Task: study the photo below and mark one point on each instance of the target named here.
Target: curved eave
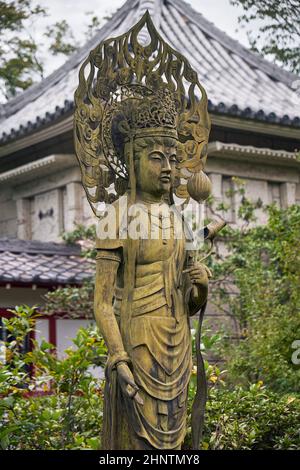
(218, 109)
(52, 127)
(251, 153)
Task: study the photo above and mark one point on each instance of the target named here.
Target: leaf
(94, 443)
(46, 346)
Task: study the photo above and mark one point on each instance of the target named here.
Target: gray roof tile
(42, 263)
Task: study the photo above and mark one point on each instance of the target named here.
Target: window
(47, 215)
(274, 193)
(228, 198)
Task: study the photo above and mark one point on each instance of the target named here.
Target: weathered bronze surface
(141, 133)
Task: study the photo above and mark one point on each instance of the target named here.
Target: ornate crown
(155, 111)
(143, 112)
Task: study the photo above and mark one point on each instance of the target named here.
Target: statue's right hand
(127, 382)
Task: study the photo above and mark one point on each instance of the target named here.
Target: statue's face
(156, 166)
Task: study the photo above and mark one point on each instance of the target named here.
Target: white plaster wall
(254, 190)
(297, 193)
(251, 170)
(42, 330)
(66, 330)
(63, 191)
(47, 183)
(88, 217)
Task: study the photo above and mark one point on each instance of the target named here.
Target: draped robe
(157, 340)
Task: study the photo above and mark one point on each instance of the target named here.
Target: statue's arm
(106, 273)
(107, 263)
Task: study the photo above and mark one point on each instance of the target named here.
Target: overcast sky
(220, 12)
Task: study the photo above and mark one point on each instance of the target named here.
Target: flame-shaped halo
(113, 70)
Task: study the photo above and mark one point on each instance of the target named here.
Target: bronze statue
(141, 134)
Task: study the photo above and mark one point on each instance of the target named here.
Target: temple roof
(238, 82)
(42, 263)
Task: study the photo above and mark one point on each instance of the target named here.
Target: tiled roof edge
(220, 108)
(15, 245)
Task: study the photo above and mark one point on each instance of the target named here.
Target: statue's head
(155, 164)
(144, 131)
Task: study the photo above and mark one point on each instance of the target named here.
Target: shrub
(249, 419)
(60, 405)
(68, 413)
(257, 284)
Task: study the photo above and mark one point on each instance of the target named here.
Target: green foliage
(60, 405)
(40, 423)
(257, 285)
(93, 26)
(22, 56)
(18, 60)
(62, 38)
(279, 29)
(69, 416)
(74, 302)
(85, 236)
(246, 418)
(249, 419)
(253, 404)
(14, 375)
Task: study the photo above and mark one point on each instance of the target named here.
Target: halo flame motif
(165, 90)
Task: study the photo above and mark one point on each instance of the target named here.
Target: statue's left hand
(199, 274)
(127, 382)
(199, 277)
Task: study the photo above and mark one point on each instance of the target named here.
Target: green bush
(43, 423)
(249, 419)
(257, 285)
(68, 414)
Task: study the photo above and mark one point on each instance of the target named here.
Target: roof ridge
(16, 245)
(273, 70)
(34, 91)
